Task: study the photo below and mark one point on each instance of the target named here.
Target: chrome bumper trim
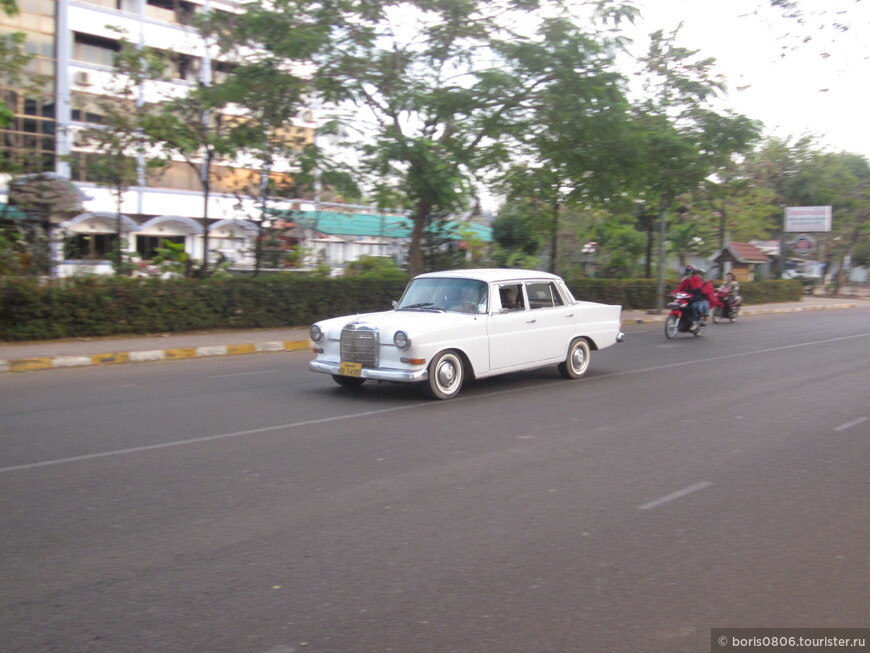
(377, 374)
(620, 337)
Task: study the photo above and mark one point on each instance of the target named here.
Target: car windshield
(433, 294)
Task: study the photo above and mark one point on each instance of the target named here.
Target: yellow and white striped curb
(178, 353)
(661, 317)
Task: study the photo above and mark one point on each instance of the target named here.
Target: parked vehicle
(730, 305)
(680, 320)
(466, 324)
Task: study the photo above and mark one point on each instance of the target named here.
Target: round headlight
(315, 333)
(401, 340)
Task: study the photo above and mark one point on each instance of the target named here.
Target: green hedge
(31, 310)
(641, 293)
(95, 306)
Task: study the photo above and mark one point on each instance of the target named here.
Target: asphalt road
(243, 504)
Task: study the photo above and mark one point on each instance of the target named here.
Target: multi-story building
(74, 44)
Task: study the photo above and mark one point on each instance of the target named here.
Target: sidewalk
(79, 352)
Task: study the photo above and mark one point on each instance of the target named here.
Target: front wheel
(446, 374)
(672, 326)
(577, 361)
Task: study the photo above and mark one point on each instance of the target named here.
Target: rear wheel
(672, 326)
(577, 361)
(446, 374)
(348, 381)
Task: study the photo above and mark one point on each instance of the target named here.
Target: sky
(796, 78)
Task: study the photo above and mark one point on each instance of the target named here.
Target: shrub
(100, 306)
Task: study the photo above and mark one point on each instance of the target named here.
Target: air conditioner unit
(82, 78)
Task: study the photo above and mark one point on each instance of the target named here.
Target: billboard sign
(800, 219)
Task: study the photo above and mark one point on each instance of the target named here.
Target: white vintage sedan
(466, 324)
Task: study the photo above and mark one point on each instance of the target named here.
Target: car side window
(543, 295)
(511, 295)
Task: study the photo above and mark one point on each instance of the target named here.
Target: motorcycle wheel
(717, 315)
(672, 326)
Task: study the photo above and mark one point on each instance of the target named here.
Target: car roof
(491, 275)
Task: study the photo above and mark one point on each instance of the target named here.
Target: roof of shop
(368, 224)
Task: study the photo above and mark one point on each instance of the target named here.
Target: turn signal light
(414, 361)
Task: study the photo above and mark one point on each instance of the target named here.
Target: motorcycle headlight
(401, 340)
(315, 333)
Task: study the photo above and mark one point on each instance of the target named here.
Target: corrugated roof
(364, 224)
(747, 253)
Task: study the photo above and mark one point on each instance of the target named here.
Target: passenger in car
(508, 298)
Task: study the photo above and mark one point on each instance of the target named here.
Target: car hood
(414, 323)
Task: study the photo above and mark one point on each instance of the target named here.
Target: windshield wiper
(425, 305)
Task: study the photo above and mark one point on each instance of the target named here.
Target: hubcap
(446, 374)
(578, 360)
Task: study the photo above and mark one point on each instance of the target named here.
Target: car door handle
(530, 321)
(570, 314)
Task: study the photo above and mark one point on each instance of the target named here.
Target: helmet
(700, 271)
(690, 269)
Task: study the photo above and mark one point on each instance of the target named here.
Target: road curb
(647, 319)
(182, 353)
(150, 355)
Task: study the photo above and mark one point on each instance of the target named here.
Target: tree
(685, 140)
(574, 130)
(437, 88)
(45, 198)
(12, 60)
(266, 53)
(198, 129)
(119, 143)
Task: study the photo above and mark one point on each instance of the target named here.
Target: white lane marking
(737, 355)
(848, 425)
(205, 438)
(675, 495)
(224, 436)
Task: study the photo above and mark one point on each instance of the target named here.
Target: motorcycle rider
(732, 287)
(709, 299)
(692, 284)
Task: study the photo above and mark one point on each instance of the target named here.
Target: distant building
(73, 43)
(746, 261)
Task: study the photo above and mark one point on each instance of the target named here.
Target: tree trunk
(415, 253)
(554, 237)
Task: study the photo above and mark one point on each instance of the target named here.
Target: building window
(90, 247)
(95, 50)
(147, 246)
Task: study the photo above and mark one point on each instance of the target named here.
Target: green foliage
(31, 309)
(172, 258)
(98, 306)
(375, 267)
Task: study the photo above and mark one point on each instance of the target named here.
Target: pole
(663, 234)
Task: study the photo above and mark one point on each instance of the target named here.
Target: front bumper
(378, 374)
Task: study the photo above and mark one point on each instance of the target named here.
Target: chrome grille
(359, 344)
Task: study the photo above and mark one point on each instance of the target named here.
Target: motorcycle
(730, 305)
(679, 320)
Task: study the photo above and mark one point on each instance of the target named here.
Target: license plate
(350, 369)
